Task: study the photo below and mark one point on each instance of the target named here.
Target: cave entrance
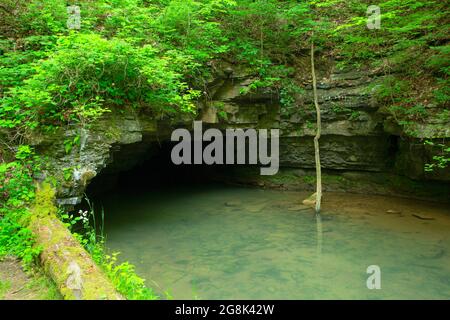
(142, 167)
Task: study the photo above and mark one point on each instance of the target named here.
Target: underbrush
(122, 275)
(17, 193)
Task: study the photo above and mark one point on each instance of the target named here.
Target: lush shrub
(16, 193)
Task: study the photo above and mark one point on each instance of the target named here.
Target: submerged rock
(233, 203)
(422, 216)
(254, 208)
(393, 212)
(311, 201)
(299, 208)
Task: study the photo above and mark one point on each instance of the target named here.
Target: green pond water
(217, 242)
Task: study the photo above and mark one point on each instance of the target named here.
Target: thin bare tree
(318, 133)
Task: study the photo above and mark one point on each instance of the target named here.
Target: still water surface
(221, 242)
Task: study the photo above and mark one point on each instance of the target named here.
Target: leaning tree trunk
(63, 257)
(318, 132)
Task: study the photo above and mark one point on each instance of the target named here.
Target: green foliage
(155, 56)
(123, 275)
(289, 93)
(409, 49)
(146, 56)
(16, 193)
(159, 55)
(397, 97)
(4, 287)
(67, 174)
(87, 75)
(17, 240)
(126, 281)
(441, 159)
(16, 182)
(70, 143)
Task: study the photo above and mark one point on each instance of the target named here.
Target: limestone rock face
(77, 166)
(337, 152)
(356, 135)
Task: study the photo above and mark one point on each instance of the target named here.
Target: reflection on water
(217, 242)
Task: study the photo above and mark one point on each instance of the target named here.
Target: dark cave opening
(142, 167)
